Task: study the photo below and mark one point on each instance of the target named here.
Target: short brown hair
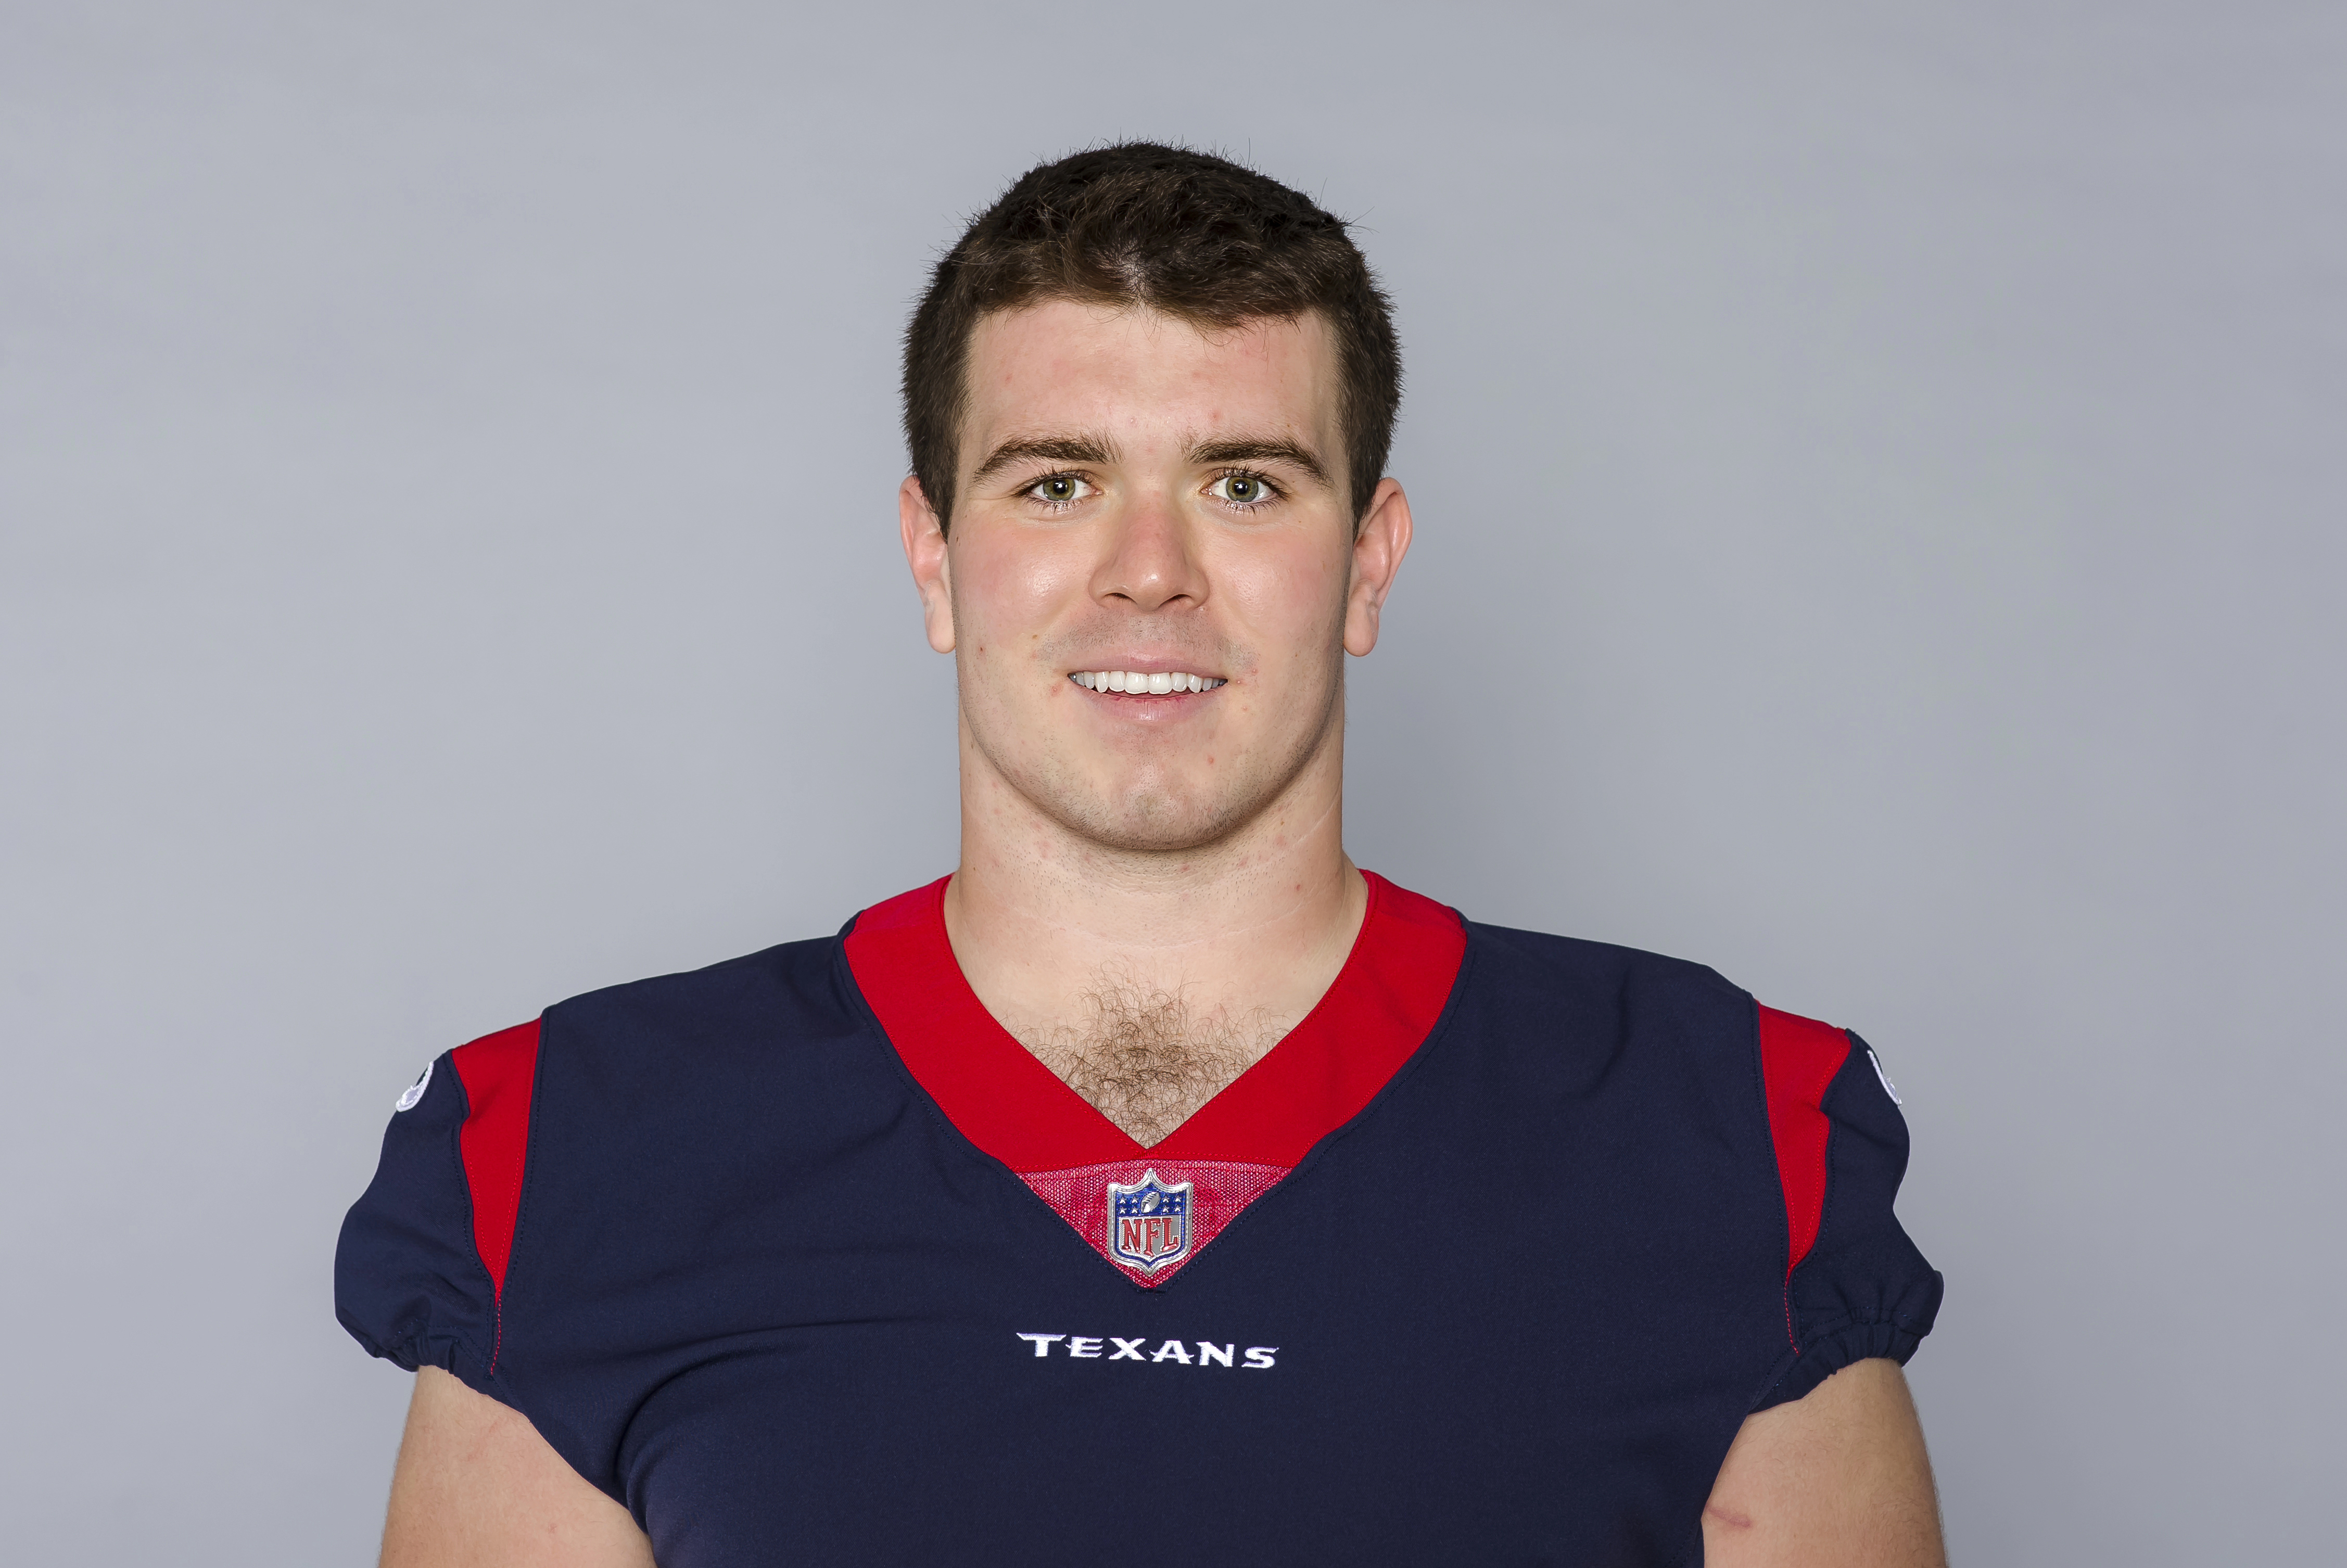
(1193, 235)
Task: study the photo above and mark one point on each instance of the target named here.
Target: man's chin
(1153, 808)
(1150, 821)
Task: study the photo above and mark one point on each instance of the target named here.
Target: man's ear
(925, 552)
(1378, 545)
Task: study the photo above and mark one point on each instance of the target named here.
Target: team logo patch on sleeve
(1149, 1223)
(407, 1102)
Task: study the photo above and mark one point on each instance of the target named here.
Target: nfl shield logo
(1149, 1223)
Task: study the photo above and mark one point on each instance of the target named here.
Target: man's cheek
(1009, 600)
(1289, 591)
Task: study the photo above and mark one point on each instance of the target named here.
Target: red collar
(1149, 1211)
(1384, 1003)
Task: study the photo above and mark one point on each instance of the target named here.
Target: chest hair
(1145, 1058)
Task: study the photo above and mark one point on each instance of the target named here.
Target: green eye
(1242, 489)
(1059, 489)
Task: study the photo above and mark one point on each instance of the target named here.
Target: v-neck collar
(1382, 1005)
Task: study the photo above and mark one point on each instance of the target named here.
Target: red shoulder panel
(1798, 1058)
(496, 1070)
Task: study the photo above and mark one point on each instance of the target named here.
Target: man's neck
(1148, 979)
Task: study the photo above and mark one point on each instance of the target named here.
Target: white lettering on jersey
(414, 1091)
(1087, 1348)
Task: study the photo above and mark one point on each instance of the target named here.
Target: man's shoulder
(788, 974)
(1507, 956)
(757, 1014)
(1567, 1005)
(685, 1070)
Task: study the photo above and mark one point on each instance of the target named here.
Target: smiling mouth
(1134, 683)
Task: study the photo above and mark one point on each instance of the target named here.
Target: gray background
(1878, 476)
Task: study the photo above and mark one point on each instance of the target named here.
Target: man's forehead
(1078, 322)
(1061, 363)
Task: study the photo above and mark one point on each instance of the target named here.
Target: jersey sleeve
(1855, 1286)
(421, 1264)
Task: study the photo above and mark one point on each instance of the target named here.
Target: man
(1158, 1188)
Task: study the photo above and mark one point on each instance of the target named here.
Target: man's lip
(1151, 666)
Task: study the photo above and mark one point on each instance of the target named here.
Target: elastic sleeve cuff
(1829, 1353)
(409, 1284)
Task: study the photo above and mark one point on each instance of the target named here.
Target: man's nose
(1151, 560)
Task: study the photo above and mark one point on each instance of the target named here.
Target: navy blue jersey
(804, 1260)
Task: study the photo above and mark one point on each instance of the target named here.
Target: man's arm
(1835, 1480)
(476, 1487)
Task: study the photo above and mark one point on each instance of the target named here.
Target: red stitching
(498, 1347)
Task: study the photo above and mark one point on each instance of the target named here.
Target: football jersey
(804, 1259)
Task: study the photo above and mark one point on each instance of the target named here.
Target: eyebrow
(1080, 447)
(1261, 449)
(1089, 446)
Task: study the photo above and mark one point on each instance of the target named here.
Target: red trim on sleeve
(1798, 1059)
(497, 1071)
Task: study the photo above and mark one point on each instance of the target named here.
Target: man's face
(1139, 499)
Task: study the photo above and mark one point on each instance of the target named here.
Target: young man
(1159, 1187)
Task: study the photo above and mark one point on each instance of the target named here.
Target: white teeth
(1134, 681)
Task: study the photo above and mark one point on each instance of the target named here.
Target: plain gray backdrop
(1879, 473)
